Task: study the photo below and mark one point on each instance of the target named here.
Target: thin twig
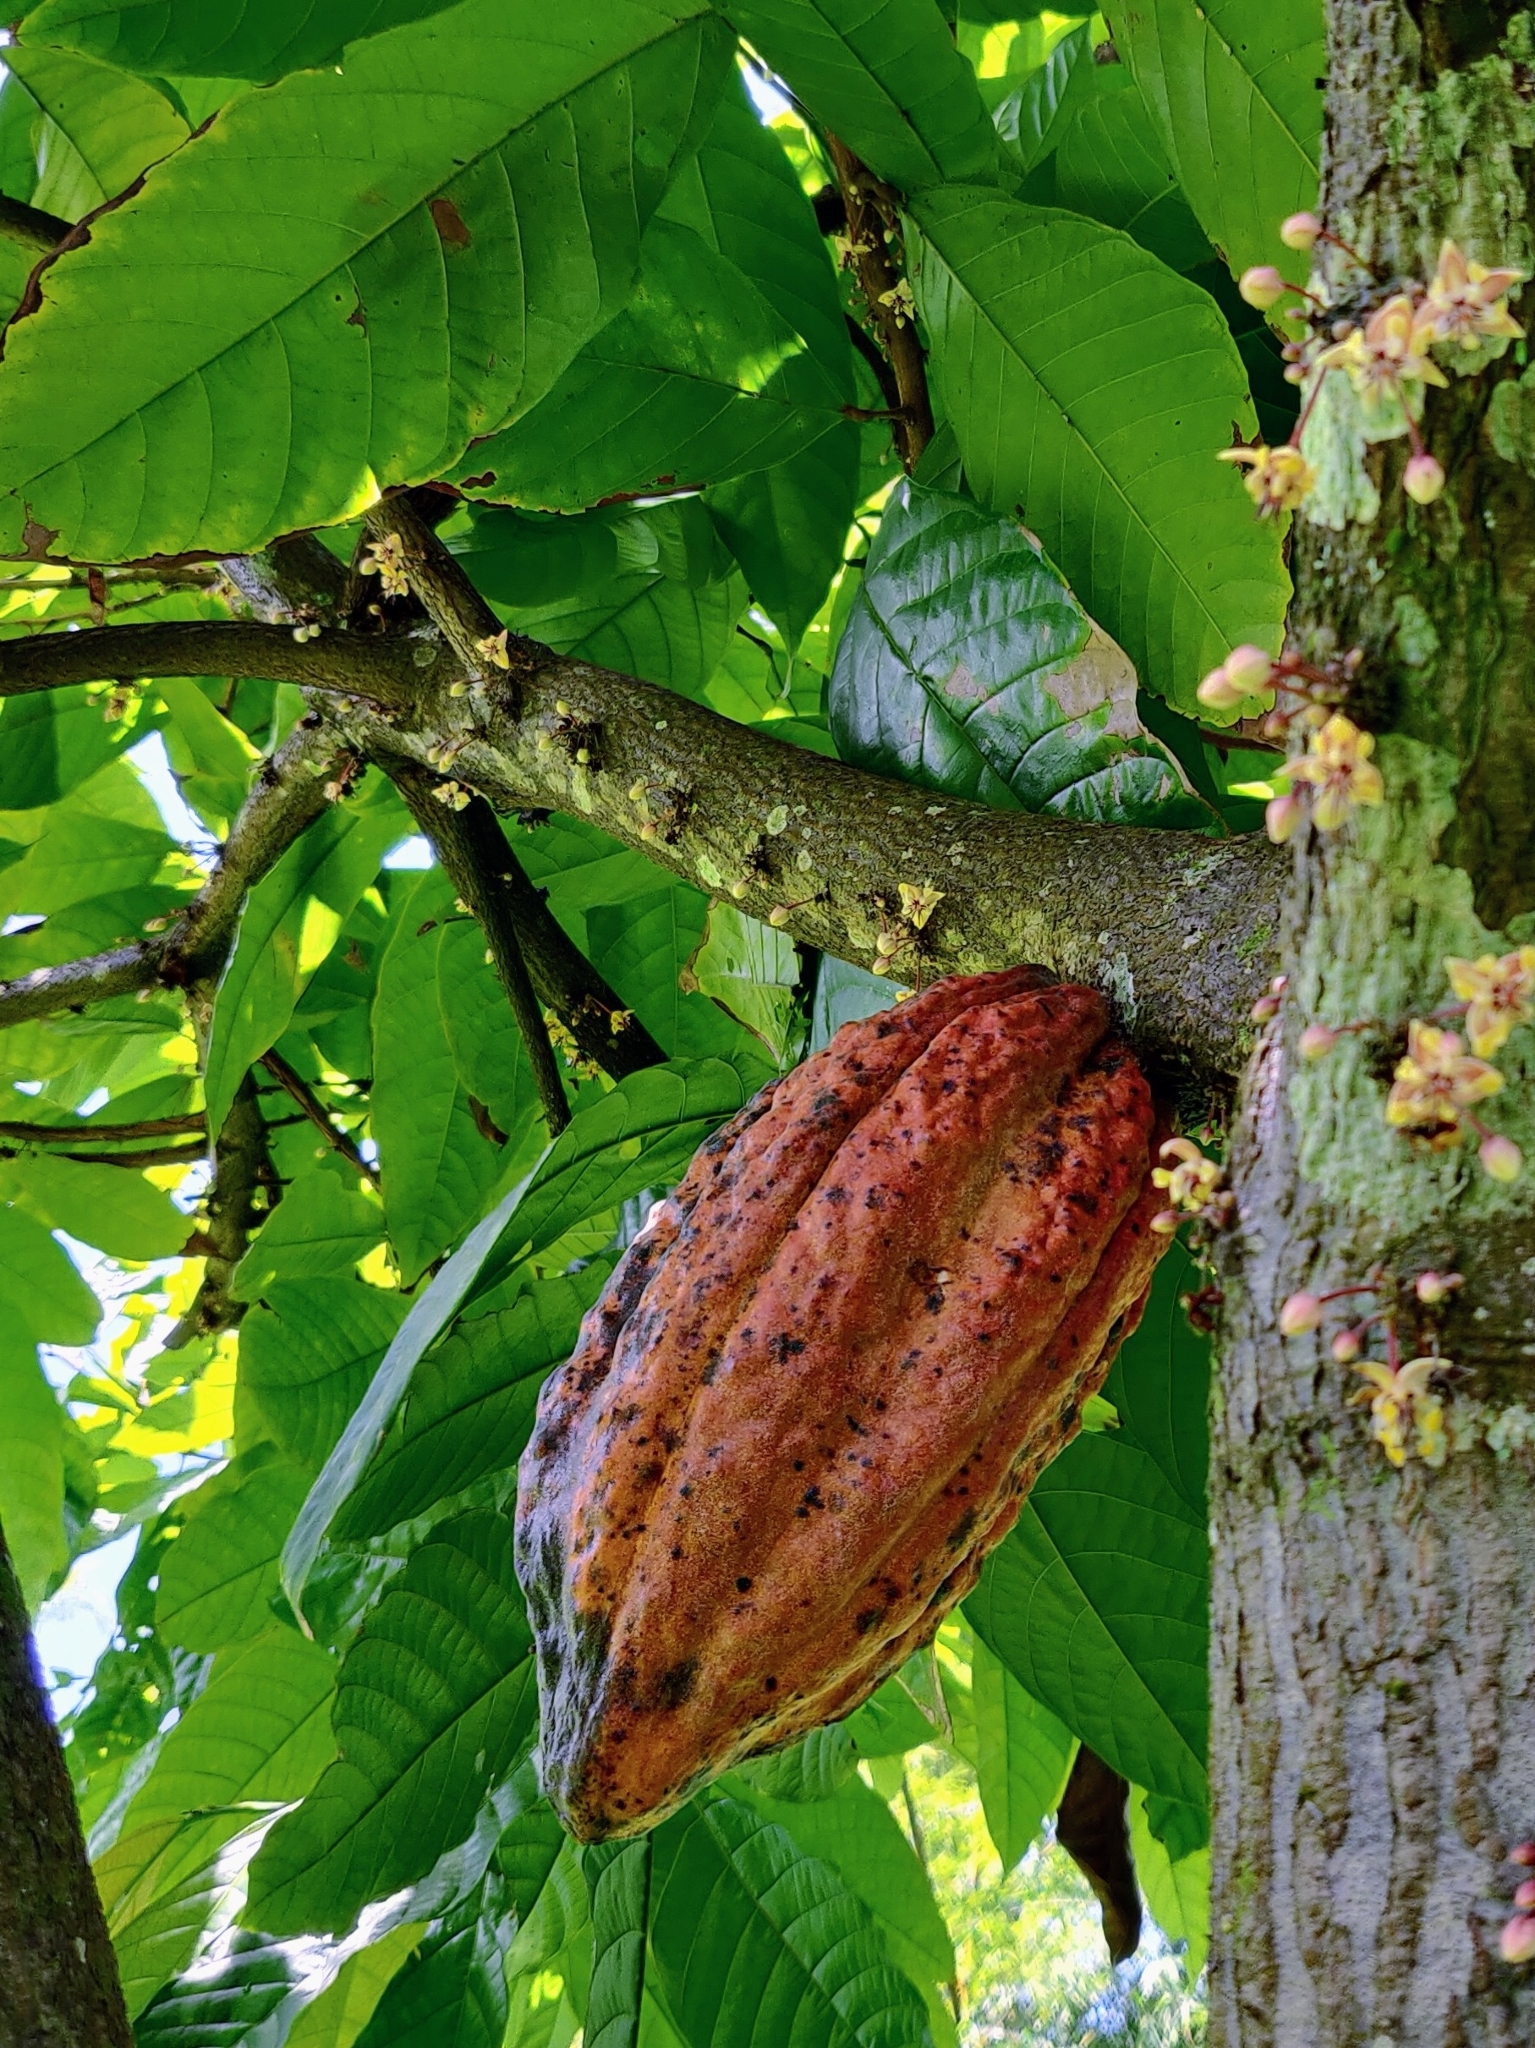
(315, 1110)
(71, 1134)
(242, 1172)
(385, 669)
(152, 1155)
(873, 224)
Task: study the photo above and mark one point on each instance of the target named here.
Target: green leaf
(1033, 117)
(211, 758)
(31, 1467)
(1098, 1602)
(40, 1291)
(288, 924)
(1235, 91)
(696, 380)
(857, 1834)
(343, 2009)
(885, 76)
(104, 839)
(167, 38)
(619, 1877)
(435, 1703)
(453, 1989)
(156, 1921)
(530, 1843)
(482, 177)
(753, 1940)
(308, 1355)
(966, 665)
(1111, 166)
(322, 1227)
(787, 526)
(890, 1722)
(108, 1206)
(471, 1403)
(1023, 1756)
(752, 972)
(1092, 387)
(219, 1576)
(1177, 1893)
(813, 1768)
(97, 130)
(221, 2002)
(483, 1037)
(438, 1165)
(644, 950)
(50, 743)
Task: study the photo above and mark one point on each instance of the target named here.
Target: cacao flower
(821, 1380)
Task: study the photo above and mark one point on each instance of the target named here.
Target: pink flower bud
(1217, 692)
(1316, 1041)
(1264, 1009)
(1432, 1288)
(1300, 231)
(1523, 1853)
(1501, 1157)
(1517, 1941)
(1262, 286)
(1524, 1898)
(1423, 479)
(1166, 1221)
(1249, 669)
(1281, 815)
(1302, 1312)
(1347, 1346)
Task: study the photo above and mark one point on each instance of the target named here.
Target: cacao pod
(821, 1380)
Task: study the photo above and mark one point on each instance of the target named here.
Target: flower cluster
(1406, 1407)
(1390, 356)
(1335, 764)
(1195, 1186)
(918, 902)
(1438, 1082)
(1516, 1944)
(385, 559)
(1498, 992)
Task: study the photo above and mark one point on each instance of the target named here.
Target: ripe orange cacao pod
(821, 1380)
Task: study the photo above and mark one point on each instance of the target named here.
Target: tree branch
(873, 219)
(242, 1169)
(461, 840)
(314, 1109)
(29, 227)
(464, 619)
(111, 1134)
(297, 578)
(387, 669)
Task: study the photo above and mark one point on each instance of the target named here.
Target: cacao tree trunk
(1373, 1749)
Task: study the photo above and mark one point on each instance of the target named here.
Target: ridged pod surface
(821, 1381)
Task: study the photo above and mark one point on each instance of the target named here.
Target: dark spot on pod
(675, 1687)
(834, 1194)
(770, 1684)
(743, 1585)
(865, 1620)
(676, 1550)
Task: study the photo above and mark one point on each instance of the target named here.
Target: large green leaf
(787, 526)
(471, 1402)
(643, 948)
(482, 1033)
(288, 924)
(104, 839)
(966, 665)
(156, 1920)
(343, 2009)
(648, 624)
(1111, 166)
(619, 1875)
(307, 1355)
(1033, 117)
(1236, 91)
(203, 38)
(885, 76)
(31, 1467)
(1023, 1755)
(1091, 387)
(436, 1702)
(322, 1227)
(696, 380)
(438, 1165)
(41, 1293)
(1098, 1602)
(453, 1989)
(108, 1206)
(51, 742)
(481, 178)
(755, 1941)
(219, 1576)
(95, 129)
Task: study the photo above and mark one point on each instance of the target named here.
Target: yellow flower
(1467, 303)
(1434, 1082)
(1405, 1415)
(385, 559)
(1338, 763)
(1190, 1183)
(493, 649)
(1498, 993)
(1277, 479)
(1388, 353)
(918, 905)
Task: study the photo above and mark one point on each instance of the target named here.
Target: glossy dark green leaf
(530, 1842)
(1236, 94)
(619, 1875)
(967, 665)
(435, 1704)
(885, 77)
(160, 1902)
(1098, 1602)
(696, 380)
(219, 1576)
(754, 1940)
(1091, 387)
(206, 39)
(787, 526)
(471, 1401)
(221, 2004)
(482, 176)
(307, 1354)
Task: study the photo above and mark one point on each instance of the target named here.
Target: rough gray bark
(1373, 1676)
(58, 1976)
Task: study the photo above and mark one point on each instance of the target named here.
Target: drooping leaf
(482, 1035)
(968, 666)
(644, 949)
(1178, 1893)
(289, 923)
(453, 1988)
(1035, 115)
(1098, 1602)
(108, 1206)
(218, 1578)
(1092, 388)
(307, 1355)
(471, 1401)
(619, 1875)
(754, 1940)
(435, 1704)
(1022, 1756)
(50, 743)
(752, 972)
(343, 2009)
(31, 1467)
(322, 1227)
(169, 38)
(1236, 93)
(159, 1903)
(482, 176)
(787, 526)
(658, 627)
(815, 1767)
(104, 839)
(96, 130)
(884, 77)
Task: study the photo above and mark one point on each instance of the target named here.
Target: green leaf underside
(435, 1705)
(307, 1355)
(964, 666)
(251, 396)
(1091, 388)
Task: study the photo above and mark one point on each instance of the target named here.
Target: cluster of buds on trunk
(1404, 1397)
